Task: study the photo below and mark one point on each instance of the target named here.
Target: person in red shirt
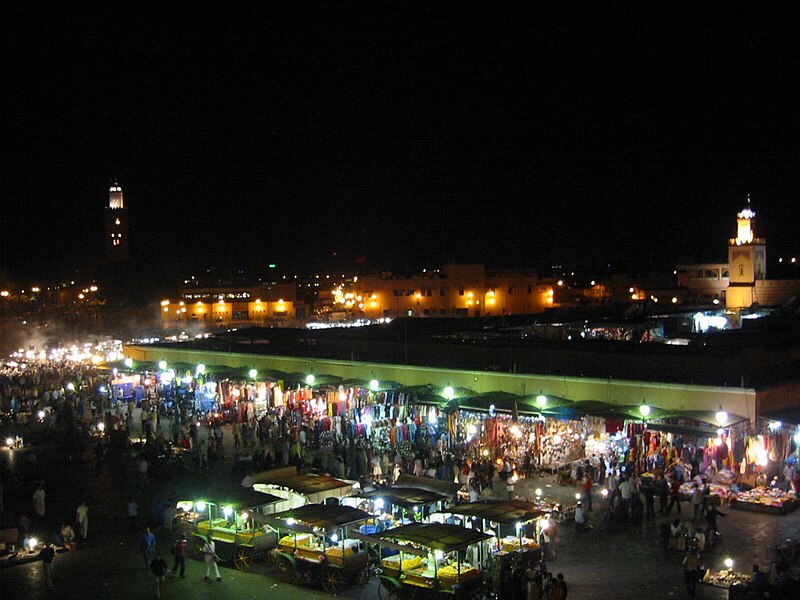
(179, 550)
(586, 484)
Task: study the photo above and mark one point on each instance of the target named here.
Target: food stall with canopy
(429, 560)
(231, 522)
(302, 489)
(513, 545)
(316, 546)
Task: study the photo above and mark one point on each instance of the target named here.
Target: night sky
(291, 132)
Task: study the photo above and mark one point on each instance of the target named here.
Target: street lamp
(541, 401)
(644, 410)
(721, 416)
(252, 373)
(374, 385)
(449, 392)
(310, 379)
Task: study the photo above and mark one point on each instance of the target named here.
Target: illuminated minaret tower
(747, 261)
(117, 240)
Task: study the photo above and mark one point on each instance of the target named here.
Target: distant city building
(742, 281)
(117, 240)
(229, 306)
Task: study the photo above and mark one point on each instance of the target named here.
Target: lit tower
(117, 241)
(747, 261)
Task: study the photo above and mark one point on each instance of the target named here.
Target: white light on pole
(449, 392)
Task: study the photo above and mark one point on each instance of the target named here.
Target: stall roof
(324, 516)
(502, 511)
(243, 498)
(438, 536)
(403, 496)
(302, 484)
(443, 488)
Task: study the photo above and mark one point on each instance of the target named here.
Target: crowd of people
(157, 434)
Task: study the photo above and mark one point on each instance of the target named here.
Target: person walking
(179, 550)
(697, 500)
(675, 495)
(662, 490)
(147, 544)
(586, 484)
(48, 555)
(158, 566)
(82, 519)
(561, 584)
(38, 500)
(691, 571)
(649, 501)
(133, 515)
(210, 557)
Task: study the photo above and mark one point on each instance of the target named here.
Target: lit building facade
(117, 239)
(449, 291)
(742, 281)
(225, 307)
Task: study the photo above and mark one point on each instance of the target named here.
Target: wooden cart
(514, 546)
(316, 547)
(428, 561)
(233, 526)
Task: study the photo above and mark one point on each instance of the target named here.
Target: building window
(530, 289)
(510, 290)
(442, 291)
(461, 292)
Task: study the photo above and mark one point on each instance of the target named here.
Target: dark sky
(287, 132)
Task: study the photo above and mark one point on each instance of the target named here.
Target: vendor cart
(316, 545)
(232, 525)
(408, 499)
(513, 545)
(427, 561)
(302, 488)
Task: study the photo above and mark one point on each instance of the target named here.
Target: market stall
(409, 499)
(302, 489)
(232, 525)
(725, 578)
(428, 559)
(512, 547)
(766, 500)
(316, 546)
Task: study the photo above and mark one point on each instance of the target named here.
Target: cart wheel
(364, 575)
(243, 558)
(388, 589)
(286, 570)
(332, 580)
